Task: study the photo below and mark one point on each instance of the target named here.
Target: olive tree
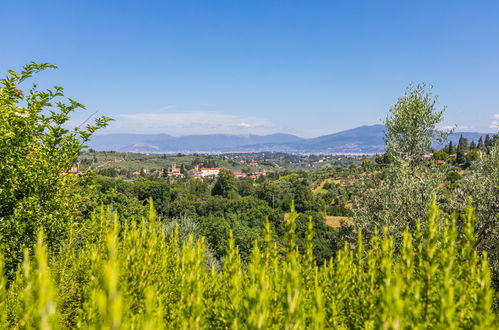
(395, 198)
(411, 125)
(399, 194)
(36, 151)
(481, 181)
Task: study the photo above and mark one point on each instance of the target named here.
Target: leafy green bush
(141, 276)
(36, 151)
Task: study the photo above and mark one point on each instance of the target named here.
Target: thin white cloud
(169, 107)
(495, 121)
(457, 128)
(193, 122)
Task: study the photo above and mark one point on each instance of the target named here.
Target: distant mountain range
(360, 140)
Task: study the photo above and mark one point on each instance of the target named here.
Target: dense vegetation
(143, 275)
(93, 252)
(124, 164)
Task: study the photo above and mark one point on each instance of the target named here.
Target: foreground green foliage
(137, 276)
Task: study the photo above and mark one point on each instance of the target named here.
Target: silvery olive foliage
(481, 181)
(395, 197)
(411, 124)
(399, 194)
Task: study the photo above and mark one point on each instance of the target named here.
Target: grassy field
(337, 221)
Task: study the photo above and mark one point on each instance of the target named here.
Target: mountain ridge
(367, 139)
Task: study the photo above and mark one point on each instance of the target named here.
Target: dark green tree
(245, 187)
(463, 142)
(461, 150)
(225, 185)
(386, 158)
(450, 149)
(472, 145)
(481, 145)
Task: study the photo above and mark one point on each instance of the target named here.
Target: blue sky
(301, 67)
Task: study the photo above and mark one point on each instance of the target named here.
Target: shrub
(36, 152)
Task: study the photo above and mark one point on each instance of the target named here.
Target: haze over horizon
(259, 67)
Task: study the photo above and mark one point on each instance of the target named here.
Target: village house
(210, 171)
(206, 172)
(174, 171)
(75, 169)
(141, 171)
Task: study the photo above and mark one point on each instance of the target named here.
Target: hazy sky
(302, 67)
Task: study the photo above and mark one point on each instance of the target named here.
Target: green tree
(397, 196)
(453, 176)
(225, 185)
(462, 146)
(411, 124)
(268, 192)
(450, 149)
(463, 142)
(385, 159)
(472, 155)
(472, 145)
(481, 181)
(487, 142)
(36, 149)
(481, 145)
(440, 155)
(245, 186)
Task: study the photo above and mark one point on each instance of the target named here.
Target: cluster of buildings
(173, 171)
(213, 172)
(198, 172)
(250, 162)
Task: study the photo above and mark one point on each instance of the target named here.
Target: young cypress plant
(3, 296)
(138, 276)
(109, 300)
(193, 275)
(38, 296)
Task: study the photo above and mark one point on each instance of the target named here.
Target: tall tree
(481, 145)
(460, 154)
(401, 193)
(411, 124)
(472, 145)
(462, 146)
(463, 142)
(450, 148)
